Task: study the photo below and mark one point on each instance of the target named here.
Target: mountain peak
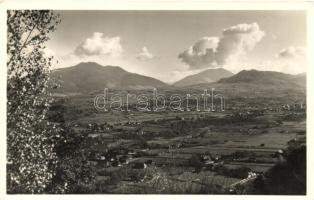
(206, 76)
(88, 64)
(91, 76)
(96, 65)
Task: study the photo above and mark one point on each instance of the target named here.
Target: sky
(169, 45)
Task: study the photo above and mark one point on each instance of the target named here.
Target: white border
(156, 5)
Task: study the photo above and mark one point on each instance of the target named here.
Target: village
(192, 143)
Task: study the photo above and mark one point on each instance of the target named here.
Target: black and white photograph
(146, 101)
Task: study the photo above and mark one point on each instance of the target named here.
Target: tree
(74, 173)
(30, 137)
(285, 178)
(288, 177)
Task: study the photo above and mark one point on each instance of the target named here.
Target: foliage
(285, 178)
(74, 173)
(240, 172)
(288, 177)
(30, 137)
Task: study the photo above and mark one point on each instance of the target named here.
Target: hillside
(253, 83)
(90, 76)
(265, 77)
(207, 76)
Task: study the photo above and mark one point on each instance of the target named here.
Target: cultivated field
(182, 152)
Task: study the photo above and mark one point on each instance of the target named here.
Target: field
(182, 152)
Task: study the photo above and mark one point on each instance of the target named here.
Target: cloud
(273, 37)
(235, 42)
(99, 45)
(47, 52)
(144, 54)
(201, 54)
(292, 60)
(292, 53)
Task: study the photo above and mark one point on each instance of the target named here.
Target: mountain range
(265, 77)
(261, 84)
(89, 76)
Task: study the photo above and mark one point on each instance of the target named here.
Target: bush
(241, 172)
(289, 177)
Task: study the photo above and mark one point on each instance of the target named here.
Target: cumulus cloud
(292, 53)
(201, 54)
(292, 60)
(235, 41)
(144, 54)
(99, 45)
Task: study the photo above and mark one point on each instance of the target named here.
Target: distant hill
(207, 76)
(266, 78)
(254, 83)
(300, 78)
(90, 76)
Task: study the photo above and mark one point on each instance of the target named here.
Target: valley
(191, 151)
